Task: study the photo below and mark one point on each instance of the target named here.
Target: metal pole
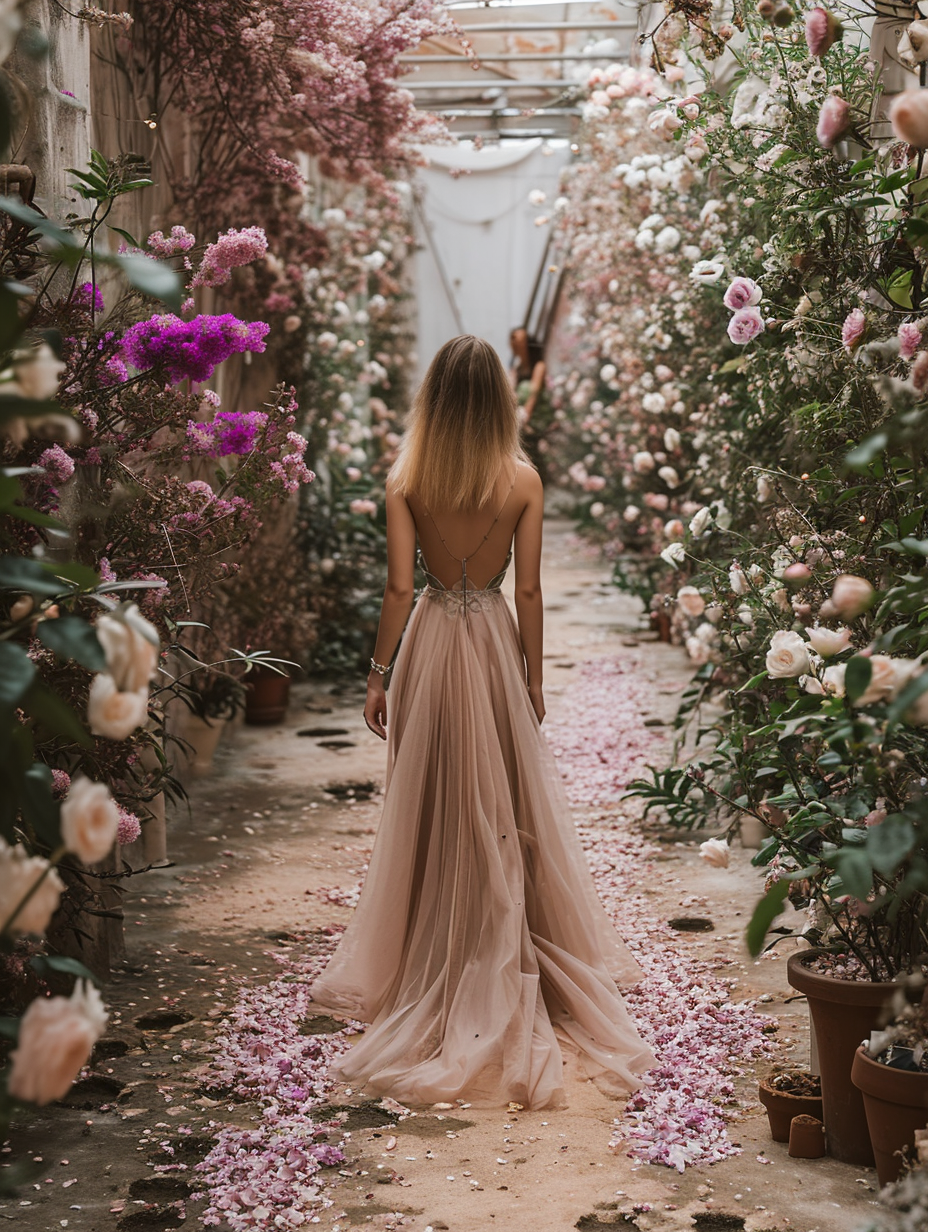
(507, 57)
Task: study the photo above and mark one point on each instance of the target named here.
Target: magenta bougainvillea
(190, 350)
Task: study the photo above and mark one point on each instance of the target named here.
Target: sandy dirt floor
(254, 860)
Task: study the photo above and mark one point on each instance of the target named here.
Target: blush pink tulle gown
(479, 931)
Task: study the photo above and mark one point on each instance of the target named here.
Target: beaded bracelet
(379, 668)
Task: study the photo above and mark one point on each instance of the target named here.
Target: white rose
(833, 679)
(812, 685)
(700, 521)
(715, 851)
(672, 440)
(56, 1037)
(746, 616)
(643, 462)
(674, 555)
(608, 372)
(89, 820)
(707, 633)
(669, 476)
(674, 529)
(697, 650)
(654, 403)
(113, 714)
(788, 655)
(130, 643)
(828, 642)
(632, 513)
(690, 601)
(737, 581)
(851, 595)
(765, 488)
(38, 373)
(18, 873)
(887, 677)
(597, 509)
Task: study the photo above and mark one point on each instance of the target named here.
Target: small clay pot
(782, 1107)
(806, 1138)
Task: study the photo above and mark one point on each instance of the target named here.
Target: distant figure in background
(527, 377)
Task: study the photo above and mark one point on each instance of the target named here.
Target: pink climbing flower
(822, 29)
(745, 326)
(834, 120)
(180, 240)
(59, 466)
(742, 293)
(910, 338)
(233, 248)
(853, 329)
(129, 827)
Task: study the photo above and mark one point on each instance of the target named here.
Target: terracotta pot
(806, 1138)
(203, 735)
(660, 623)
(896, 1101)
(782, 1107)
(268, 696)
(844, 1012)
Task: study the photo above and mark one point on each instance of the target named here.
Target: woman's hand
(537, 698)
(375, 708)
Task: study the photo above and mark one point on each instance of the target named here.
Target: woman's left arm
(396, 606)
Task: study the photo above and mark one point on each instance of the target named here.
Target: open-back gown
(479, 929)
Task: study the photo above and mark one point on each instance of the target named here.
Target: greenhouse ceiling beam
(542, 27)
(514, 134)
(506, 84)
(504, 113)
(507, 57)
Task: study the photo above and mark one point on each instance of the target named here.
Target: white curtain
(479, 248)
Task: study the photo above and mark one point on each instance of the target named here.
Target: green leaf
(17, 672)
(130, 239)
(34, 517)
(890, 842)
(150, 277)
(60, 962)
(40, 808)
(733, 365)
(855, 870)
(36, 222)
(72, 637)
(766, 911)
(753, 682)
(863, 454)
(50, 712)
(857, 677)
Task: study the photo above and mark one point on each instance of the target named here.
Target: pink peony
(822, 29)
(853, 329)
(909, 117)
(910, 337)
(834, 120)
(742, 293)
(745, 325)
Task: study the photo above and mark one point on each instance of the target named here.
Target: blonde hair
(463, 427)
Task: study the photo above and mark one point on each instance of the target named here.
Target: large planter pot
(782, 1106)
(268, 696)
(844, 1012)
(896, 1101)
(203, 735)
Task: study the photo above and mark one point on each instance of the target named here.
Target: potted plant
(211, 699)
(891, 1071)
(789, 1094)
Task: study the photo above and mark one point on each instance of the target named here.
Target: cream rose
(130, 644)
(737, 581)
(828, 642)
(56, 1037)
(715, 851)
(89, 820)
(19, 872)
(887, 677)
(851, 595)
(690, 601)
(113, 714)
(833, 679)
(698, 650)
(788, 655)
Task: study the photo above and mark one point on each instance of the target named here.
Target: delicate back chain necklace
(462, 560)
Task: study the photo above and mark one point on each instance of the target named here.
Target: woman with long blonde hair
(478, 931)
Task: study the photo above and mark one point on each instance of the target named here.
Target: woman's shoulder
(527, 481)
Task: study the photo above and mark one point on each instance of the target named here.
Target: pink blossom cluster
(232, 249)
(270, 1174)
(129, 828)
(58, 465)
(180, 240)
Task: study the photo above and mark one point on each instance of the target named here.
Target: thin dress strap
(462, 560)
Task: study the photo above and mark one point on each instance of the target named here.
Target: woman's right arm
(396, 606)
(529, 604)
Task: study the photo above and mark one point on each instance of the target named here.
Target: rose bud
(766, 9)
(851, 595)
(909, 118)
(822, 30)
(834, 120)
(784, 15)
(797, 573)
